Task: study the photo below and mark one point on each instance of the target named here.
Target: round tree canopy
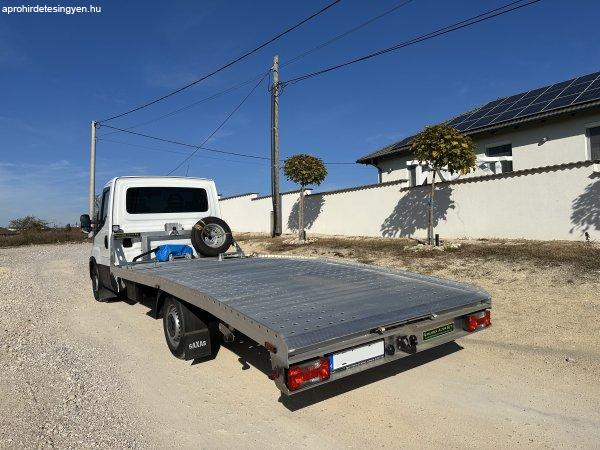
(305, 169)
(444, 146)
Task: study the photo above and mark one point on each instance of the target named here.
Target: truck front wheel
(96, 283)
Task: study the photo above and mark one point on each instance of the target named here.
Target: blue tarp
(163, 251)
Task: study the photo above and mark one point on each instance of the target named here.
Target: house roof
(555, 99)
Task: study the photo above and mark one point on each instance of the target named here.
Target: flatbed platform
(300, 304)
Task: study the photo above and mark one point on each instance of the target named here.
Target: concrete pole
(275, 195)
(92, 194)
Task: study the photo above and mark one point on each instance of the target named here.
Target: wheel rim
(173, 325)
(213, 235)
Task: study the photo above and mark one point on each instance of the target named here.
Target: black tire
(211, 236)
(96, 282)
(173, 326)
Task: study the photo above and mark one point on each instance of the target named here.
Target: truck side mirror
(86, 223)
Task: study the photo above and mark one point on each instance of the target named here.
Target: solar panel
(586, 78)
(559, 95)
(484, 121)
(594, 85)
(524, 102)
(547, 96)
(535, 93)
(507, 115)
(535, 108)
(562, 101)
(464, 125)
(561, 85)
(575, 89)
(479, 114)
(588, 95)
(458, 119)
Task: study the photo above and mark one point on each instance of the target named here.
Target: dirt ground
(75, 373)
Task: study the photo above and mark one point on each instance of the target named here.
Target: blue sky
(59, 72)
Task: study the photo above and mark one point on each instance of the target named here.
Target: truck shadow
(251, 354)
(335, 388)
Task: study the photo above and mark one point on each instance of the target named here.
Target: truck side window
(104, 207)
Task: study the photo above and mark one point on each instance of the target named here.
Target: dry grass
(52, 236)
(576, 256)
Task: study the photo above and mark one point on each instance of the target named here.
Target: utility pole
(276, 197)
(92, 195)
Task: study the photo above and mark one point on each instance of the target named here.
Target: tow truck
(319, 319)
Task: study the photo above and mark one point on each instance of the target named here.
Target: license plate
(357, 355)
(439, 331)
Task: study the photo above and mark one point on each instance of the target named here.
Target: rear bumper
(392, 338)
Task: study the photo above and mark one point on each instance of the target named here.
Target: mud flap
(105, 294)
(196, 337)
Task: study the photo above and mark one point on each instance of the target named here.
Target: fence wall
(557, 202)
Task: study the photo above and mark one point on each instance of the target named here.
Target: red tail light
(312, 372)
(481, 319)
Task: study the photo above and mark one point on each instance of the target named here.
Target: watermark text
(50, 9)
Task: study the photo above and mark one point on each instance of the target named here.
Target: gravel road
(75, 373)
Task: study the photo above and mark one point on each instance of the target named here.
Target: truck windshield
(161, 200)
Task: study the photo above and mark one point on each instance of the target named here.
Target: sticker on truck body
(438, 331)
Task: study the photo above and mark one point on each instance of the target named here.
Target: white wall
(566, 142)
(552, 203)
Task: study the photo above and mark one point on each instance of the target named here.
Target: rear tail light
(481, 319)
(307, 373)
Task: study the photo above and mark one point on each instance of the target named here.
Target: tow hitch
(408, 344)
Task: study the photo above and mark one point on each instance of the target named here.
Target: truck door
(102, 239)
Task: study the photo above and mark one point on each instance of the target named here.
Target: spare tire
(211, 236)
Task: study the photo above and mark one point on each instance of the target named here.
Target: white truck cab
(145, 204)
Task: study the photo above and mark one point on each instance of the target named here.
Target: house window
(594, 137)
(501, 150)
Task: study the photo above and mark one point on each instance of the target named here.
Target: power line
(177, 152)
(220, 125)
(225, 66)
(448, 29)
(131, 144)
(201, 146)
(346, 33)
(191, 105)
(291, 61)
(183, 144)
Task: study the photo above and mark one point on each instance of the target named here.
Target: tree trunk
(301, 234)
(430, 228)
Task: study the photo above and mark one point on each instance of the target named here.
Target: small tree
(442, 147)
(28, 223)
(304, 170)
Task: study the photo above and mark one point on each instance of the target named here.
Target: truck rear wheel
(211, 236)
(190, 333)
(173, 327)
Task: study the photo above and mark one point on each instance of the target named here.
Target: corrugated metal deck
(308, 302)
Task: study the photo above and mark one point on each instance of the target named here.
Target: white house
(548, 126)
